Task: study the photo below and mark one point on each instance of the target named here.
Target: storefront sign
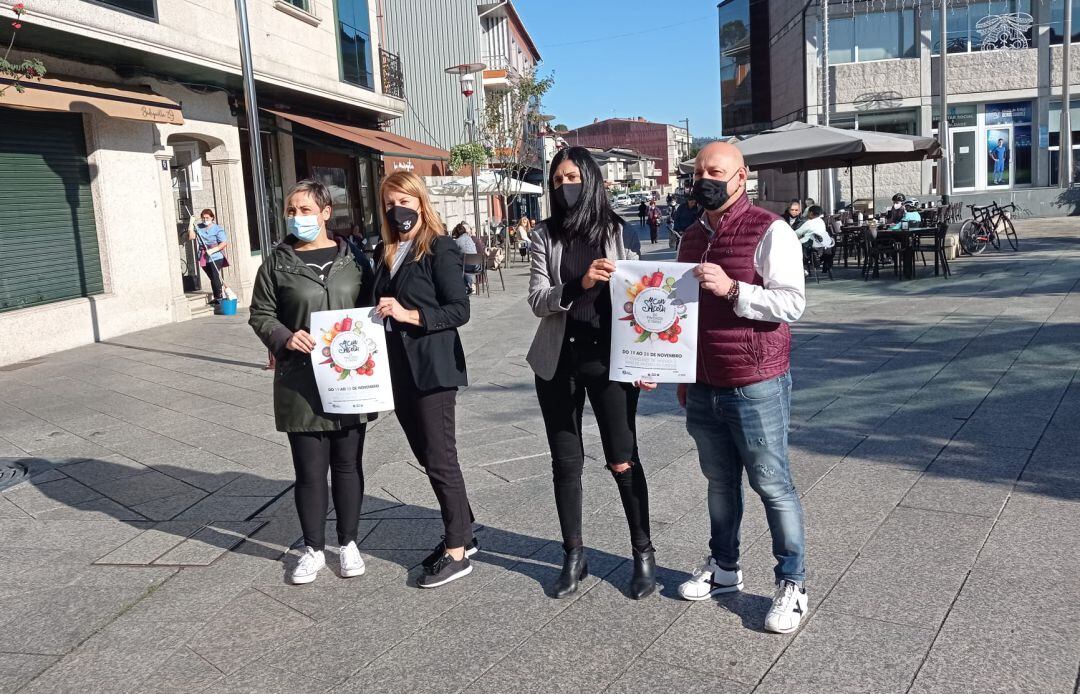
(654, 322)
(1014, 112)
(1044, 137)
(350, 361)
(405, 165)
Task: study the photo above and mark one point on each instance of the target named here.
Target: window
(735, 96)
(1055, 139)
(144, 8)
(354, 43)
(1057, 19)
(963, 33)
(867, 36)
(301, 4)
(188, 157)
(902, 122)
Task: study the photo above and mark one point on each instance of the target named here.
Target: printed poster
(654, 320)
(350, 361)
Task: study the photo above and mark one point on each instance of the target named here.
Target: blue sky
(665, 70)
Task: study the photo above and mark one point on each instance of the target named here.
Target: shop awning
(399, 153)
(81, 96)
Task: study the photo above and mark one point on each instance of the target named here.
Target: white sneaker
(711, 580)
(788, 607)
(310, 564)
(352, 564)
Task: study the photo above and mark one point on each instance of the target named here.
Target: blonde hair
(431, 225)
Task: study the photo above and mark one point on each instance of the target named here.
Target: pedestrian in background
(421, 297)
(212, 243)
(467, 245)
(738, 412)
(642, 213)
(310, 271)
(573, 255)
(654, 221)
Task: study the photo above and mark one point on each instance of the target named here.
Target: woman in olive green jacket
(313, 271)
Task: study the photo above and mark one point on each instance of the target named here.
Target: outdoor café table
(907, 239)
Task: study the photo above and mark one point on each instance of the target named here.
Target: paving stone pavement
(934, 442)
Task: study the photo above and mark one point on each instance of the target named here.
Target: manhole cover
(11, 474)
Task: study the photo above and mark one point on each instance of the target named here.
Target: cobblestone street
(934, 442)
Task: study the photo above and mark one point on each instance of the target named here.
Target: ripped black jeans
(583, 371)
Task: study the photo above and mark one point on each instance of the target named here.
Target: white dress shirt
(778, 259)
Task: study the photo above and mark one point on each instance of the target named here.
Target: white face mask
(306, 228)
(897, 205)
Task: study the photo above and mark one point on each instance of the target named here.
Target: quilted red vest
(735, 351)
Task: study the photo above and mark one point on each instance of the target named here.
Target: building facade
(667, 144)
(1004, 104)
(140, 124)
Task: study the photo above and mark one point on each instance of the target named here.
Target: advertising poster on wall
(654, 318)
(350, 362)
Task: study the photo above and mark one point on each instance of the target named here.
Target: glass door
(964, 159)
(999, 157)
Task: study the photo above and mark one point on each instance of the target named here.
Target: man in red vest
(751, 274)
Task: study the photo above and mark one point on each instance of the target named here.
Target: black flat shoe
(575, 568)
(644, 581)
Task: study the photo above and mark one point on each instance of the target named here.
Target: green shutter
(48, 238)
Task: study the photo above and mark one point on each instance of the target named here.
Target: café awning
(399, 153)
(82, 96)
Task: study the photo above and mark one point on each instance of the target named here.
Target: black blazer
(435, 286)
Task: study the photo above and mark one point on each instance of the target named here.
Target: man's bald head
(722, 161)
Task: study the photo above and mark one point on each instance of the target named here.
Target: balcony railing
(393, 80)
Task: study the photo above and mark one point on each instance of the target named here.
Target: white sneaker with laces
(788, 607)
(710, 580)
(308, 568)
(352, 564)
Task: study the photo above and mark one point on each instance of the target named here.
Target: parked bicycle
(986, 227)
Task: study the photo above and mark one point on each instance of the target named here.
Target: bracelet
(733, 293)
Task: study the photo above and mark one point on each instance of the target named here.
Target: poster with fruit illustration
(654, 322)
(350, 363)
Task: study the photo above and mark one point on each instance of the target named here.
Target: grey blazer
(545, 296)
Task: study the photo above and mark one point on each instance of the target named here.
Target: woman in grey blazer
(573, 254)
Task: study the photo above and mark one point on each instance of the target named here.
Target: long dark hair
(592, 220)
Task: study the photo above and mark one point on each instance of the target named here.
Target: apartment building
(1004, 83)
(457, 32)
(667, 144)
(140, 123)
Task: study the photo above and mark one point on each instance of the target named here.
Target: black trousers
(313, 454)
(583, 372)
(214, 273)
(428, 419)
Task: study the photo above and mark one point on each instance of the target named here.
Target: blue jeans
(747, 428)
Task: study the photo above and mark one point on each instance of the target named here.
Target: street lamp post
(262, 217)
(466, 74)
(944, 174)
(1065, 162)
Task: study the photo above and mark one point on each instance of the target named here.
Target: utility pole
(944, 172)
(258, 176)
(1065, 163)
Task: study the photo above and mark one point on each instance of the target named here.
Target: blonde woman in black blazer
(421, 295)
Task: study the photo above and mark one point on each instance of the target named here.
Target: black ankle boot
(575, 568)
(644, 581)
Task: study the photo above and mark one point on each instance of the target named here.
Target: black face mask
(567, 195)
(711, 193)
(402, 219)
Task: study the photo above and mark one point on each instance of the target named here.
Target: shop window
(143, 8)
(901, 122)
(868, 36)
(1055, 139)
